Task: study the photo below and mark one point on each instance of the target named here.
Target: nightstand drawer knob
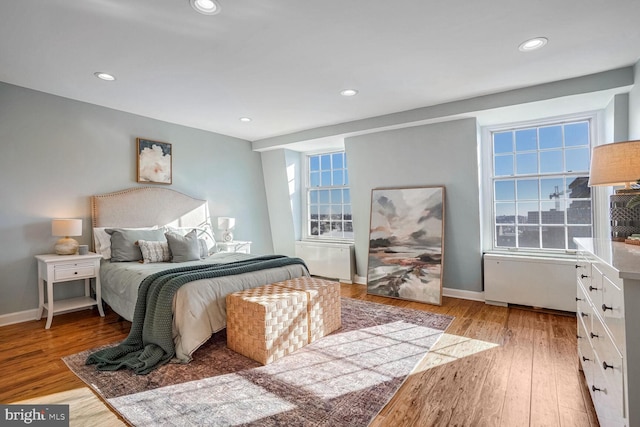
(593, 335)
(583, 276)
(606, 307)
(605, 366)
(591, 288)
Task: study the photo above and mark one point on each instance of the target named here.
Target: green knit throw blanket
(150, 341)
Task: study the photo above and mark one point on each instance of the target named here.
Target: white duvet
(199, 307)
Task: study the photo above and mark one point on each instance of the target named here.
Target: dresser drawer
(74, 271)
(594, 290)
(609, 362)
(585, 352)
(612, 309)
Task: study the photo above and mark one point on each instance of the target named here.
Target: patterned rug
(343, 379)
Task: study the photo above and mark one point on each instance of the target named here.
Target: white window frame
(486, 177)
(305, 194)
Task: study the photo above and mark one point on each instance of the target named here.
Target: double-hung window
(328, 213)
(539, 177)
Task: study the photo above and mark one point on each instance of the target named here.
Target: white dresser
(608, 311)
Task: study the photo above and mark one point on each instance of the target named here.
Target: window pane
(313, 196)
(325, 162)
(348, 226)
(553, 237)
(505, 213)
(346, 195)
(325, 227)
(504, 190)
(550, 137)
(314, 179)
(338, 177)
(324, 196)
(336, 212)
(314, 229)
(506, 236)
(528, 213)
(336, 196)
(551, 187)
(577, 159)
(578, 188)
(503, 142)
(527, 163)
(527, 189)
(577, 232)
(576, 134)
(526, 139)
(579, 212)
(313, 211)
(325, 179)
(504, 165)
(347, 211)
(337, 160)
(314, 163)
(324, 212)
(552, 212)
(551, 161)
(528, 237)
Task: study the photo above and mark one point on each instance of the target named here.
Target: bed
(199, 308)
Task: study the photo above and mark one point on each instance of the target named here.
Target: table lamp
(64, 228)
(226, 224)
(618, 164)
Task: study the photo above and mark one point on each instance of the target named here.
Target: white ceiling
(283, 63)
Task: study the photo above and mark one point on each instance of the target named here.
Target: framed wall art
(406, 242)
(154, 161)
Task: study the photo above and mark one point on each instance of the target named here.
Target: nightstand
(56, 269)
(235, 246)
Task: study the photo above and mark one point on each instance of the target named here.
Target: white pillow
(102, 240)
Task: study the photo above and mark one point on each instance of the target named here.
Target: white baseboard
(462, 294)
(19, 317)
(447, 292)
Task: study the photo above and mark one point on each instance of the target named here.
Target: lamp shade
(226, 223)
(615, 164)
(66, 227)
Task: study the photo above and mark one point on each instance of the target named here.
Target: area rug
(343, 379)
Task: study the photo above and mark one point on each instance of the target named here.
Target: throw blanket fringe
(150, 341)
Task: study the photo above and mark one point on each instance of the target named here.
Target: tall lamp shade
(613, 165)
(226, 223)
(64, 228)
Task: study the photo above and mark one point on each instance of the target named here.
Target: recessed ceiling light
(245, 119)
(533, 44)
(104, 76)
(206, 7)
(349, 92)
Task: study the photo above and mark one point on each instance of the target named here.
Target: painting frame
(154, 162)
(406, 243)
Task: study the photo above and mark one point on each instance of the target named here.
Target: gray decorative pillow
(154, 251)
(183, 248)
(123, 242)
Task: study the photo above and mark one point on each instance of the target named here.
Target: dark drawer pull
(605, 366)
(75, 272)
(579, 337)
(605, 307)
(584, 359)
(577, 265)
(594, 388)
(583, 276)
(583, 314)
(578, 299)
(591, 288)
(593, 335)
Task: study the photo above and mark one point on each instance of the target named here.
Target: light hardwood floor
(494, 366)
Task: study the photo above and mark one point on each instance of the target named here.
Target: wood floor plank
(486, 370)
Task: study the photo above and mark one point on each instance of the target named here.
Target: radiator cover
(330, 260)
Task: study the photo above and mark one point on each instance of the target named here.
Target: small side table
(237, 246)
(55, 269)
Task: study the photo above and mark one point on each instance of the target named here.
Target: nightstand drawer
(71, 271)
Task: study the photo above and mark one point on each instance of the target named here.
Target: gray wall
(57, 152)
(438, 154)
(634, 106)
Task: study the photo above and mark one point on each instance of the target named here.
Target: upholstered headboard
(148, 206)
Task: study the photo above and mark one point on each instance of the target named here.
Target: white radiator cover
(330, 260)
(533, 281)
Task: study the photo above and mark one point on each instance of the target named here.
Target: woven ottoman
(267, 323)
(324, 304)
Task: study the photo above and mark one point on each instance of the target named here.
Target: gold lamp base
(66, 246)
